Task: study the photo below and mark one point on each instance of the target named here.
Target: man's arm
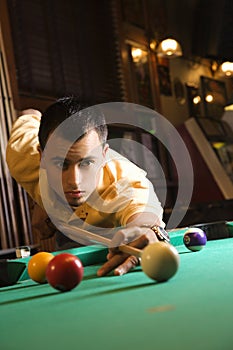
(22, 154)
(137, 209)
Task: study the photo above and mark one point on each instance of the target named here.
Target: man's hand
(121, 263)
(31, 111)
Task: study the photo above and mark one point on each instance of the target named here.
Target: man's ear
(42, 160)
(105, 149)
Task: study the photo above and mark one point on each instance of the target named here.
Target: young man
(63, 161)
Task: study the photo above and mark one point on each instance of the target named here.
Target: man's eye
(86, 163)
(60, 165)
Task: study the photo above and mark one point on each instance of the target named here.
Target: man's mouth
(74, 194)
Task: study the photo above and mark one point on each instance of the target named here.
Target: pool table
(193, 310)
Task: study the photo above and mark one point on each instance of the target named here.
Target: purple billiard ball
(194, 239)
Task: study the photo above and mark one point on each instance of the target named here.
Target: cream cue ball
(160, 261)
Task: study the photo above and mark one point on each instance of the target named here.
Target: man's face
(79, 169)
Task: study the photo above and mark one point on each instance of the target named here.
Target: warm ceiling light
(196, 100)
(227, 68)
(153, 45)
(209, 98)
(169, 48)
(138, 55)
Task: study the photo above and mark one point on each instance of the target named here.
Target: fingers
(121, 263)
(140, 243)
(112, 263)
(127, 265)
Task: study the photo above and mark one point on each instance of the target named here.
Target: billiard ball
(37, 266)
(194, 239)
(64, 272)
(160, 261)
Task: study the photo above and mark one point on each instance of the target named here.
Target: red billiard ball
(37, 266)
(64, 272)
(194, 239)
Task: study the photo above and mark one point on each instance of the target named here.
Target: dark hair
(82, 119)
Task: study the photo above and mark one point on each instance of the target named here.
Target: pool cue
(4, 218)
(22, 207)
(73, 232)
(17, 203)
(9, 222)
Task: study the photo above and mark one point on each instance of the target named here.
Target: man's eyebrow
(62, 159)
(57, 158)
(91, 156)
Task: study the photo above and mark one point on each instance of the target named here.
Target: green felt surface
(100, 252)
(230, 228)
(84, 254)
(87, 258)
(193, 310)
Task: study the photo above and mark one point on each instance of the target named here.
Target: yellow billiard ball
(37, 266)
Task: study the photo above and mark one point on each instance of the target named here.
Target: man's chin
(76, 203)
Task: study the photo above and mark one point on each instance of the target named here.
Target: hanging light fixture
(138, 55)
(227, 68)
(169, 48)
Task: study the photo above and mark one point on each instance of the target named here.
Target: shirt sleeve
(141, 199)
(22, 155)
(129, 192)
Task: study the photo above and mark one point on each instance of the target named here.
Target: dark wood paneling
(66, 47)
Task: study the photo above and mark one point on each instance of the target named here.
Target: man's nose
(74, 176)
